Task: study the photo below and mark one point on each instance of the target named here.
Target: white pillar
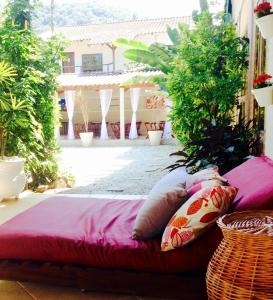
(268, 139)
(122, 113)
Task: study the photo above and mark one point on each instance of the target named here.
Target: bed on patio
(86, 243)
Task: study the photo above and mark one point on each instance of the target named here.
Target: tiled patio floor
(29, 291)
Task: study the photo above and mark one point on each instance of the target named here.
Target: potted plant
(263, 90)
(86, 137)
(155, 137)
(13, 114)
(265, 19)
(155, 134)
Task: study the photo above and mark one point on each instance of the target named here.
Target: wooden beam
(108, 86)
(113, 49)
(249, 104)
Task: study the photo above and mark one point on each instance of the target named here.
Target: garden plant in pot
(263, 90)
(14, 114)
(265, 19)
(155, 136)
(86, 137)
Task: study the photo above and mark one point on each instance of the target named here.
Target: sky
(148, 8)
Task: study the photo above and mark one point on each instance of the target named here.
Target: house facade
(260, 61)
(97, 86)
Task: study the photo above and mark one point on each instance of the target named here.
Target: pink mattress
(96, 233)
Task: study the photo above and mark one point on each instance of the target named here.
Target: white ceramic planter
(264, 96)
(265, 25)
(12, 177)
(86, 138)
(155, 137)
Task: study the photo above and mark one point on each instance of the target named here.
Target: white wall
(269, 109)
(82, 47)
(241, 7)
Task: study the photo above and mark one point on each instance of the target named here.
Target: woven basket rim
(223, 221)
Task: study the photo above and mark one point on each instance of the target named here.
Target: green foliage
(36, 64)
(204, 5)
(220, 145)
(14, 114)
(174, 35)
(19, 12)
(155, 57)
(207, 76)
(131, 44)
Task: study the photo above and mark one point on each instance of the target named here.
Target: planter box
(264, 96)
(155, 137)
(265, 25)
(12, 177)
(86, 138)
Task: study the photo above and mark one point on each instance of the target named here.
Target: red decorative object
(155, 102)
(262, 81)
(263, 9)
(116, 129)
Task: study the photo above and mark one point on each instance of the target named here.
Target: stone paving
(116, 170)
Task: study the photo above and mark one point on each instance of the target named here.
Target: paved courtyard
(116, 170)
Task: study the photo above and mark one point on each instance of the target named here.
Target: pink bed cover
(96, 233)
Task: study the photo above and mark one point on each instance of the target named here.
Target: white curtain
(70, 104)
(167, 133)
(105, 100)
(135, 94)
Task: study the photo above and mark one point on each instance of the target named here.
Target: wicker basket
(242, 266)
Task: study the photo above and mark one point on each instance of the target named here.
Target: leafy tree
(14, 113)
(207, 76)
(36, 64)
(159, 56)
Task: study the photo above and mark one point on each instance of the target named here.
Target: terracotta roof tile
(109, 32)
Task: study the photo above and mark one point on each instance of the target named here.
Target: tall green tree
(207, 76)
(36, 63)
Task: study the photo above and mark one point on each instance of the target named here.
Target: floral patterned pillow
(204, 175)
(196, 215)
(206, 183)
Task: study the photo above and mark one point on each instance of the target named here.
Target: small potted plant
(13, 114)
(263, 90)
(265, 19)
(155, 134)
(86, 137)
(155, 137)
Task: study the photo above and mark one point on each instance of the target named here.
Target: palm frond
(130, 44)
(174, 35)
(7, 73)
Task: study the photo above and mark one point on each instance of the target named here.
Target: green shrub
(36, 63)
(220, 145)
(207, 76)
